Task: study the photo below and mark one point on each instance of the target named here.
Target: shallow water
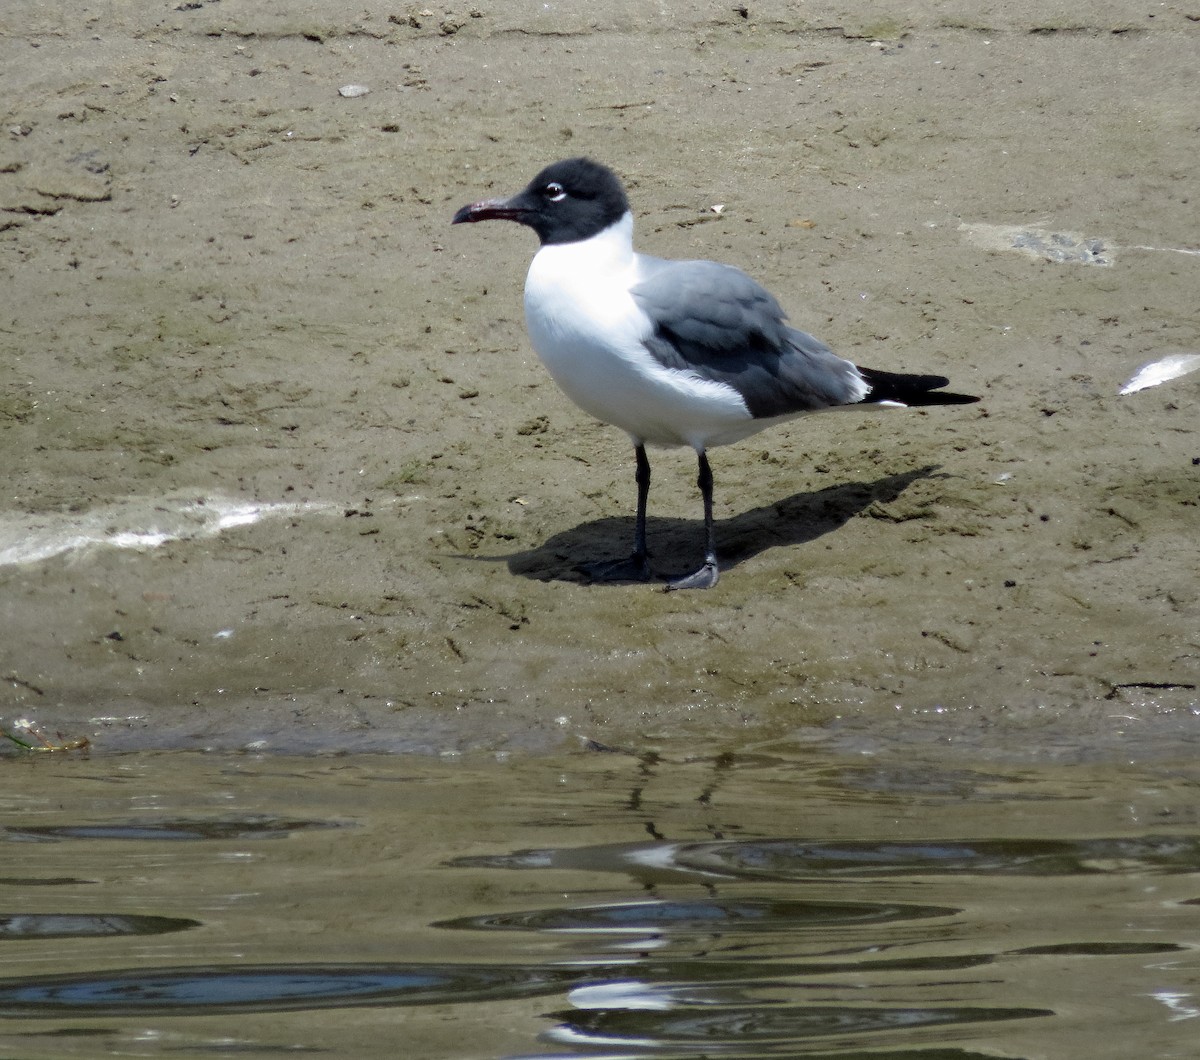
(782, 903)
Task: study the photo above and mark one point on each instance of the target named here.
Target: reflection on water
(596, 905)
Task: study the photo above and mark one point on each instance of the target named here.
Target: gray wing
(716, 321)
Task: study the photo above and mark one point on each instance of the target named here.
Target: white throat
(579, 291)
(606, 252)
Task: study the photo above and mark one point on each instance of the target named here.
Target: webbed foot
(704, 578)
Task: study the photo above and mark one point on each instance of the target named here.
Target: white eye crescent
(554, 191)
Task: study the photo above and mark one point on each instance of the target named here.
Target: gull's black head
(568, 201)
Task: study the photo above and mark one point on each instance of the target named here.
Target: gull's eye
(554, 191)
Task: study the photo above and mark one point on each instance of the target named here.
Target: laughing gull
(673, 352)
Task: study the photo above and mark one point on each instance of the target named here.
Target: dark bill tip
(488, 210)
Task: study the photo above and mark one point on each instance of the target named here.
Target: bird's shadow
(795, 520)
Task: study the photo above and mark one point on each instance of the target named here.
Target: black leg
(637, 567)
(642, 477)
(706, 577)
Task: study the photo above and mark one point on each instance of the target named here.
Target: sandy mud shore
(280, 468)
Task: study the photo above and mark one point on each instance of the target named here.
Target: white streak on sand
(135, 523)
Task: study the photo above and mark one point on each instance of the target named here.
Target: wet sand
(229, 285)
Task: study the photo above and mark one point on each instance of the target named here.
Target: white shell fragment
(1161, 371)
(353, 91)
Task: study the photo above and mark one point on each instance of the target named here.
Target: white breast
(588, 331)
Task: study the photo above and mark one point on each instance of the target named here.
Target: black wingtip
(944, 397)
(911, 390)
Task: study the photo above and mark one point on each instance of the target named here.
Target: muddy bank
(229, 284)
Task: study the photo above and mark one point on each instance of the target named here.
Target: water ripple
(85, 925)
(706, 915)
(271, 988)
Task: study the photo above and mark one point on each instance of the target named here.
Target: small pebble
(352, 91)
